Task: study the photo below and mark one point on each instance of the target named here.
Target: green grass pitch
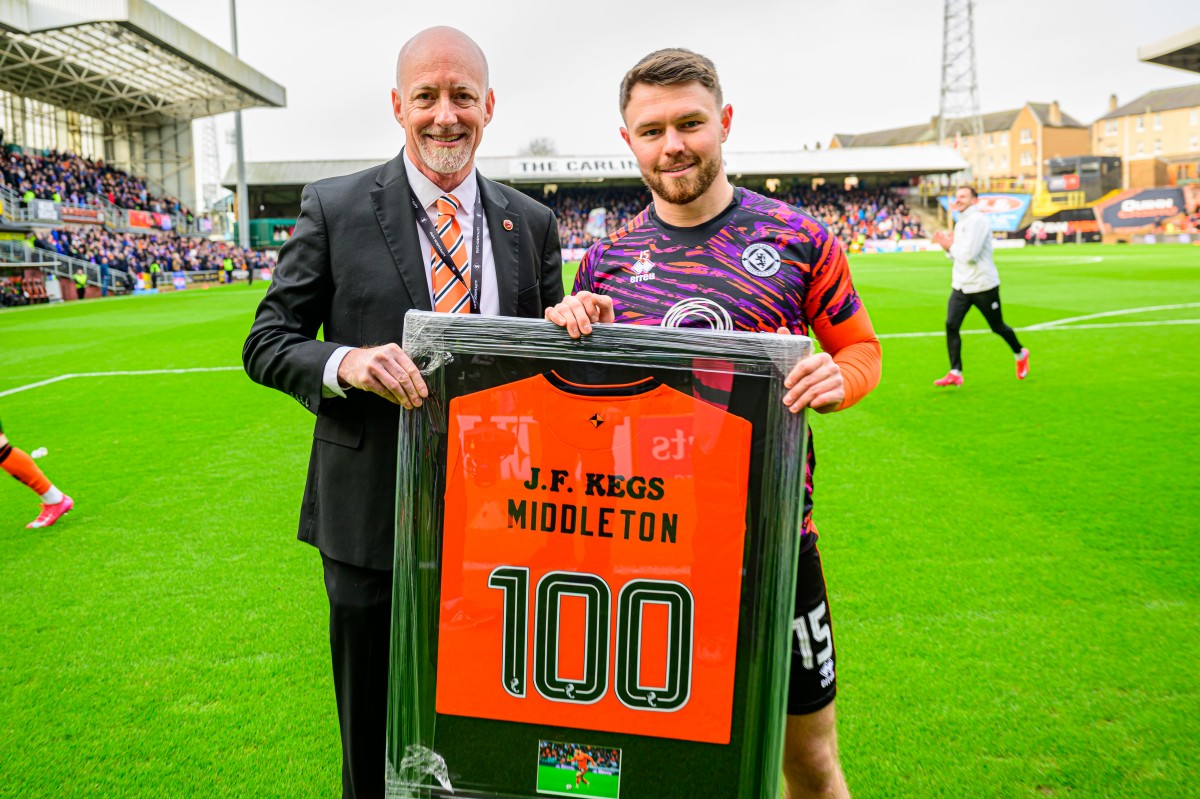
(1012, 565)
(561, 782)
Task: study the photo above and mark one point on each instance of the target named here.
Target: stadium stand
(70, 179)
(97, 107)
(135, 252)
(859, 213)
(65, 177)
(849, 213)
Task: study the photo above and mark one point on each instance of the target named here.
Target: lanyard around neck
(475, 287)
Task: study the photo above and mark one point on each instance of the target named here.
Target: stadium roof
(122, 60)
(295, 173)
(927, 133)
(1181, 51)
(913, 134)
(1159, 100)
(567, 169)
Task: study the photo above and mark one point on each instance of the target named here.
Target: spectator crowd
(852, 215)
(848, 213)
(563, 754)
(858, 213)
(136, 252)
(72, 179)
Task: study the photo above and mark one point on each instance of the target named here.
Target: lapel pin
(508, 224)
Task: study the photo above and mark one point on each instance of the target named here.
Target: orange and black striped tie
(450, 295)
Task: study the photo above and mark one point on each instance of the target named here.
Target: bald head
(443, 102)
(441, 44)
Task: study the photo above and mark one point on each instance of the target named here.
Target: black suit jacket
(354, 266)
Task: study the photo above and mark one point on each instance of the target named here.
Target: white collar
(427, 191)
(971, 209)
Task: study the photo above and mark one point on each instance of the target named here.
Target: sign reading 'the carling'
(580, 168)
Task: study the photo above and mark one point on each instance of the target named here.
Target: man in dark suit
(363, 253)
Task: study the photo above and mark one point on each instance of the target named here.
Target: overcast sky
(795, 72)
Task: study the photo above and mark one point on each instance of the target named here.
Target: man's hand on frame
(578, 312)
(386, 371)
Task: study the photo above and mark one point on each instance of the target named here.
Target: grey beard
(446, 162)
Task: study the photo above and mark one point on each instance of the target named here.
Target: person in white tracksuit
(974, 282)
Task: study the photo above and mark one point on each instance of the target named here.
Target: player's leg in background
(810, 757)
(956, 311)
(988, 303)
(20, 465)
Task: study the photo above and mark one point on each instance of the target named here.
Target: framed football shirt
(595, 561)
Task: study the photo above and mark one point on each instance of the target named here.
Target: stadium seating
(849, 214)
(71, 179)
(64, 177)
(871, 213)
(129, 251)
(16, 291)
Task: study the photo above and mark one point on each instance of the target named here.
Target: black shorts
(812, 683)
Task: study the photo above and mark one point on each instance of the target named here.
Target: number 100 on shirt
(591, 560)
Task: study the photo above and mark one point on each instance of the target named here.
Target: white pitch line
(1106, 325)
(1121, 312)
(861, 267)
(1051, 329)
(1061, 324)
(47, 382)
(1056, 260)
(1042, 327)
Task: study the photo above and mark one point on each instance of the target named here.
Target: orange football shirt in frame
(592, 558)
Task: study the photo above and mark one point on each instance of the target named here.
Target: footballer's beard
(446, 160)
(681, 191)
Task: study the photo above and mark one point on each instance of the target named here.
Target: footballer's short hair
(668, 67)
(971, 189)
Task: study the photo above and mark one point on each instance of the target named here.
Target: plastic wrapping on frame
(660, 649)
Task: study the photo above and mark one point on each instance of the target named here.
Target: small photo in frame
(577, 769)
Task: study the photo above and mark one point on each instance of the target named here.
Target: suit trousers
(360, 620)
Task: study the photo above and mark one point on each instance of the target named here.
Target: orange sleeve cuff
(855, 348)
(862, 365)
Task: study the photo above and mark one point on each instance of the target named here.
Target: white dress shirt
(974, 270)
(427, 193)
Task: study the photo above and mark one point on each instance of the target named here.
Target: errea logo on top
(642, 268)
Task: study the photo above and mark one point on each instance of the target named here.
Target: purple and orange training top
(762, 262)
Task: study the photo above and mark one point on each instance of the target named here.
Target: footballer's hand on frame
(386, 371)
(578, 312)
(814, 382)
